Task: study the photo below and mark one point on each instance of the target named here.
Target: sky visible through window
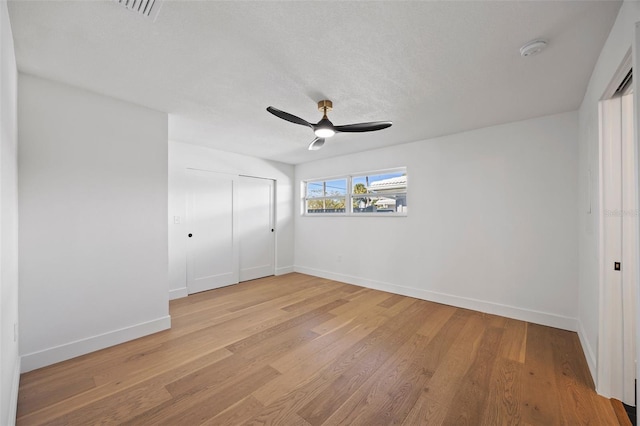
(374, 178)
(338, 187)
(333, 188)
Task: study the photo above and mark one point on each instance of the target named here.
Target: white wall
(9, 359)
(183, 156)
(490, 225)
(616, 47)
(93, 234)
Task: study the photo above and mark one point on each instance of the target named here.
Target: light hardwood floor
(301, 350)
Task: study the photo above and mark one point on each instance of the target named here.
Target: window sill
(354, 215)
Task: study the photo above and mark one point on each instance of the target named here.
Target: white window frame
(349, 196)
(306, 198)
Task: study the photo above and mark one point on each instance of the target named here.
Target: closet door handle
(190, 235)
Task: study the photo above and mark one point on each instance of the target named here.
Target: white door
(255, 214)
(617, 340)
(212, 249)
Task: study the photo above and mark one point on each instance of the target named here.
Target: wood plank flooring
(301, 350)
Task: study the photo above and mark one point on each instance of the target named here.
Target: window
(379, 193)
(326, 196)
(375, 193)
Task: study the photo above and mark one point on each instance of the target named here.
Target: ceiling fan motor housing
(325, 106)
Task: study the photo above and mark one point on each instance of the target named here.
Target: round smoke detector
(533, 47)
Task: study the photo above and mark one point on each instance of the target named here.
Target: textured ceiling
(433, 68)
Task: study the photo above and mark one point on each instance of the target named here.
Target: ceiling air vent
(149, 8)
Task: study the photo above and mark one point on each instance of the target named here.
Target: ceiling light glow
(324, 132)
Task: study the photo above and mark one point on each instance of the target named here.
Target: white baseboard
(178, 293)
(13, 399)
(537, 317)
(284, 270)
(588, 350)
(70, 350)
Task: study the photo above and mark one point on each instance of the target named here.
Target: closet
(230, 229)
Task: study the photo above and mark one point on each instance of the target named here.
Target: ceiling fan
(324, 128)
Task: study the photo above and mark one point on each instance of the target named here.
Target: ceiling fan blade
(363, 127)
(316, 144)
(289, 117)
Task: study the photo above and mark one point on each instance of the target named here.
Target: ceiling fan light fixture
(324, 132)
(324, 128)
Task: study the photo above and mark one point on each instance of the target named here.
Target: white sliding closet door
(212, 248)
(617, 341)
(255, 215)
